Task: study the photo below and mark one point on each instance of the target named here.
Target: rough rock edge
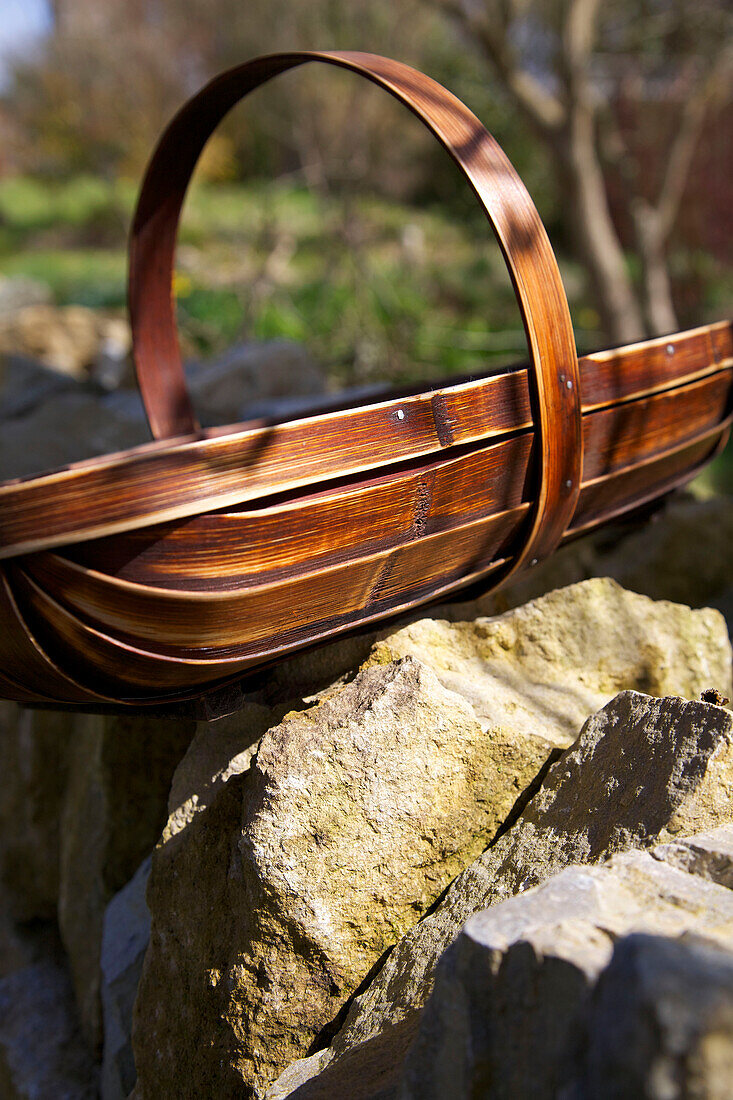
(483, 879)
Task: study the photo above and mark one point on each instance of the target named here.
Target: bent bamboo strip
(147, 671)
(221, 622)
(159, 482)
(141, 678)
(27, 664)
(222, 551)
(518, 228)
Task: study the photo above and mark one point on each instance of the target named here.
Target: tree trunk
(587, 212)
(658, 303)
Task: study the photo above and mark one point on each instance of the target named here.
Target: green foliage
(89, 277)
(212, 318)
(29, 204)
(378, 290)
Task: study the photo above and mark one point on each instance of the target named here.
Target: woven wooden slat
(156, 574)
(159, 481)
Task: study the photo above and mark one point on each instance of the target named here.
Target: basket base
(225, 699)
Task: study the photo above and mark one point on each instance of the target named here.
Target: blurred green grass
(88, 277)
(377, 290)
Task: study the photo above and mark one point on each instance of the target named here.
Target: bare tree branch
(615, 151)
(488, 28)
(579, 36)
(710, 89)
(567, 125)
(653, 222)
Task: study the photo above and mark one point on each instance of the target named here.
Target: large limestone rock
(42, 1053)
(510, 1014)
(356, 814)
(34, 749)
(114, 808)
(560, 657)
(641, 770)
(659, 1024)
(124, 942)
(353, 818)
(510, 1009)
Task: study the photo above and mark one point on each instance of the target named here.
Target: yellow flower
(182, 285)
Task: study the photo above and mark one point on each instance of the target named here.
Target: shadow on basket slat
(157, 574)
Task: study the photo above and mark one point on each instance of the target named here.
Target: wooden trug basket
(158, 573)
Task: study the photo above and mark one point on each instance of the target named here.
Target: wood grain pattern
(26, 665)
(506, 203)
(160, 481)
(227, 619)
(223, 550)
(141, 675)
(159, 573)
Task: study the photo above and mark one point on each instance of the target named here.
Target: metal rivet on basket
(569, 384)
(400, 414)
(568, 484)
(534, 561)
(670, 349)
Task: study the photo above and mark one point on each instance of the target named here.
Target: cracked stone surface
(275, 898)
(642, 770)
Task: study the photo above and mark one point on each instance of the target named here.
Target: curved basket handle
(519, 230)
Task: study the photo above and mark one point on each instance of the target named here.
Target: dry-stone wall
(614, 980)
(358, 812)
(486, 853)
